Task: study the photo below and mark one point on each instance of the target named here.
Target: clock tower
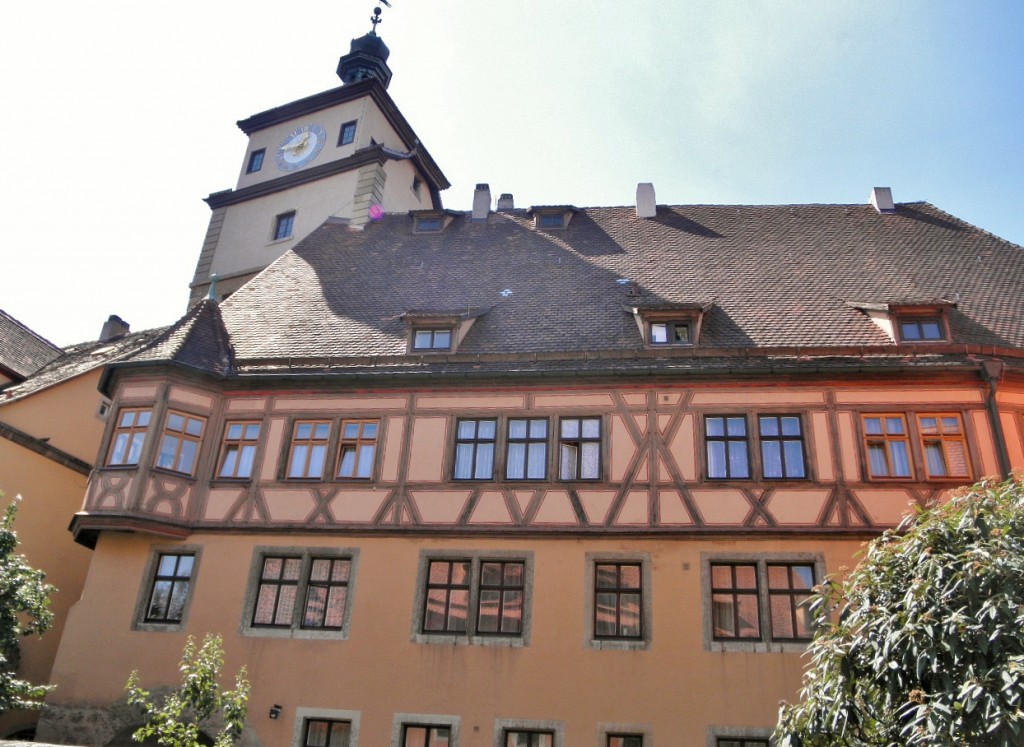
(340, 154)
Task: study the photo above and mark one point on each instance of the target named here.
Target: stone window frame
(504, 725)
(401, 720)
(146, 588)
(295, 630)
(766, 644)
(606, 730)
(471, 637)
(302, 715)
(714, 733)
(643, 643)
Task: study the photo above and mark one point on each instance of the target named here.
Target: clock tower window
(347, 134)
(255, 161)
(283, 225)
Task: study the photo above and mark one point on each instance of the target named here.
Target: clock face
(300, 147)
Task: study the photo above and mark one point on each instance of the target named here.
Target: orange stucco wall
(50, 495)
(677, 686)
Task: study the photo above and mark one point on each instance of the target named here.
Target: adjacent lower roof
(22, 351)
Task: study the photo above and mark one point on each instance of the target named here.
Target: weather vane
(375, 19)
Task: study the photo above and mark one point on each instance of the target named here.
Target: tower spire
(367, 56)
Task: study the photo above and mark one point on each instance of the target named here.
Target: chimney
(505, 201)
(481, 202)
(646, 207)
(881, 199)
(113, 328)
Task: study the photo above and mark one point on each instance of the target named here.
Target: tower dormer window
(255, 161)
(283, 225)
(347, 134)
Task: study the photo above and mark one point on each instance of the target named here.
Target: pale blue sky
(120, 117)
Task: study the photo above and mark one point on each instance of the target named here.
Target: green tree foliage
(175, 719)
(923, 643)
(24, 610)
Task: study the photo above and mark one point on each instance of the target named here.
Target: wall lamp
(275, 711)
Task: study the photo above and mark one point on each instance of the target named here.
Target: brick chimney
(113, 328)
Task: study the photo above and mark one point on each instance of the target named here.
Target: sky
(119, 117)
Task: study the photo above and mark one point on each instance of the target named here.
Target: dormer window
(430, 221)
(430, 339)
(669, 325)
(429, 225)
(924, 329)
(439, 330)
(910, 321)
(552, 217)
(671, 333)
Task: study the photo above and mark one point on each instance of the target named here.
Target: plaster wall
(65, 414)
(370, 124)
(677, 685)
(50, 495)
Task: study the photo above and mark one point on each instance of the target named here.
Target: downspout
(992, 372)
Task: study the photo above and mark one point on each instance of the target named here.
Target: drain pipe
(992, 372)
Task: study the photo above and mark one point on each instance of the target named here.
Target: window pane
(894, 426)
(746, 577)
(803, 577)
(782, 620)
(366, 453)
(794, 458)
(769, 426)
(659, 332)
(933, 456)
(957, 454)
(604, 622)
(590, 468)
(771, 456)
(747, 616)
(900, 459)
(516, 467)
(629, 614)
(570, 428)
(790, 426)
(187, 457)
(538, 461)
(422, 339)
(517, 429)
(876, 459)
(723, 612)
(316, 461)
(738, 459)
(591, 428)
(931, 330)
(442, 339)
(873, 426)
(929, 425)
(467, 429)
(484, 461)
(348, 461)
(488, 618)
(567, 469)
(736, 427)
(463, 461)
(716, 459)
(487, 429)
(458, 610)
(538, 429)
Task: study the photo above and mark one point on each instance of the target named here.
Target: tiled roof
(197, 340)
(776, 276)
(22, 351)
(76, 360)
